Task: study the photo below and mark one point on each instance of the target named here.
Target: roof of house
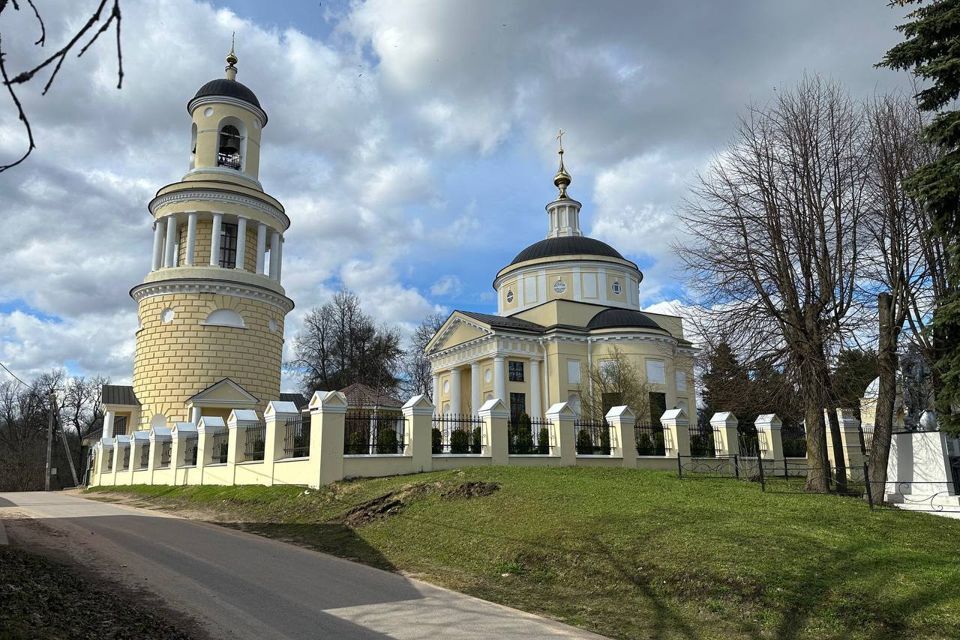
(361, 395)
(118, 394)
(501, 322)
(295, 398)
(615, 318)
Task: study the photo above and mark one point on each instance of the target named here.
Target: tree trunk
(818, 467)
(886, 400)
(839, 470)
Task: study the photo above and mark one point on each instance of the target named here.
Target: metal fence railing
(373, 432)
(166, 451)
(702, 441)
(125, 459)
(749, 442)
(530, 436)
(145, 456)
(794, 441)
(459, 434)
(296, 437)
(219, 445)
(190, 446)
(649, 439)
(255, 440)
(592, 437)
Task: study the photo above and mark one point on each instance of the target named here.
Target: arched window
(225, 318)
(193, 145)
(228, 152)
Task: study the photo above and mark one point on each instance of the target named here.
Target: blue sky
(412, 143)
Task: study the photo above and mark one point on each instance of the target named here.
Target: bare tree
(776, 224)
(416, 373)
(897, 241)
(614, 380)
(56, 59)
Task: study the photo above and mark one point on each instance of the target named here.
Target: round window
(166, 316)
(208, 112)
(559, 286)
(509, 296)
(616, 287)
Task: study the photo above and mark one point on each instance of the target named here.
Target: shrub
(387, 442)
(436, 439)
(459, 441)
(476, 446)
(356, 443)
(644, 445)
(524, 441)
(584, 443)
(543, 441)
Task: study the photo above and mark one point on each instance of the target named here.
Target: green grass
(635, 554)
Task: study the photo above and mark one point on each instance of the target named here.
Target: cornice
(236, 102)
(252, 292)
(204, 194)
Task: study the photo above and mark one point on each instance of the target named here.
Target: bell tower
(211, 311)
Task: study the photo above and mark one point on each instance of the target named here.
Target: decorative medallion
(559, 286)
(509, 296)
(616, 287)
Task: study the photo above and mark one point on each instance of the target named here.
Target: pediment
(457, 330)
(225, 393)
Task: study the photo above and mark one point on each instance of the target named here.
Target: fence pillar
(495, 437)
(158, 435)
(726, 438)
(418, 431)
(181, 431)
(327, 412)
(108, 477)
(561, 418)
(208, 427)
(238, 422)
(623, 440)
(275, 439)
(771, 440)
(676, 433)
(136, 446)
(852, 446)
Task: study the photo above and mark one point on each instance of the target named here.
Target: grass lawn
(633, 554)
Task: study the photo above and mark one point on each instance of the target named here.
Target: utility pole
(52, 400)
(66, 446)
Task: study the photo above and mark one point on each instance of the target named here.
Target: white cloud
(446, 286)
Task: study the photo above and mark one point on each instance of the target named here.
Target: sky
(411, 143)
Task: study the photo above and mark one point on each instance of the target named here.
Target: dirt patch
(471, 490)
(45, 598)
(389, 504)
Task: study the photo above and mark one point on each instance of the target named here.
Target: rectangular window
(608, 370)
(228, 246)
(655, 372)
(681, 381)
(573, 371)
(518, 405)
(516, 371)
(120, 426)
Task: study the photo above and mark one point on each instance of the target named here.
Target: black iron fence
(373, 432)
(592, 437)
(750, 444)
(145, 455)
(296, 437)
(255, 440)
(650, 439)
(456, 433)
(220, 444)
(702, 441)
(794, 441)
(109, 466)
(190, 451)
(166, 451)
(125, 459)
(530, 436)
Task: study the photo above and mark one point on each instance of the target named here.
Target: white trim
(233, 173)
(206, 194)
(166, 287)
(236, 102)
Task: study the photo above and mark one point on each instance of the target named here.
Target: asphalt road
(240, 586)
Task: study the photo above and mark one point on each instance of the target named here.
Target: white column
(474, 386)
(241, 243)
(279, 258)
(535, 388)
(274, 255)
(171, 257)
(107, 425)
(499, 379)
(455, 406)
(191, 238)
(436, 390)
(159, 229)
(261, 247)
(195, 415)
(215, 240)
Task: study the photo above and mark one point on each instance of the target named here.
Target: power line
(13, 375)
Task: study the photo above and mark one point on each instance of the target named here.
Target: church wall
(178, 359)
(208, 132)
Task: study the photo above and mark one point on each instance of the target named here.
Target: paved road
(244, 586)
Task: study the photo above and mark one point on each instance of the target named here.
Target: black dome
(611, 318)
(230, 89)
(566, 246)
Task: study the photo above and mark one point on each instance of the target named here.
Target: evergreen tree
(854, 371)
(932, 51)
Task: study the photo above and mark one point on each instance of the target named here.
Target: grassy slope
(638, 554)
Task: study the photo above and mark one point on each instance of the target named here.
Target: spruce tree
(931, 50)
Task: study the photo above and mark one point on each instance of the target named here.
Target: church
(566, 306)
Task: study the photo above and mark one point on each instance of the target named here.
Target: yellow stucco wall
(176, 360)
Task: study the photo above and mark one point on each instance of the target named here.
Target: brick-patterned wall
(177, 360)
(202, 249)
